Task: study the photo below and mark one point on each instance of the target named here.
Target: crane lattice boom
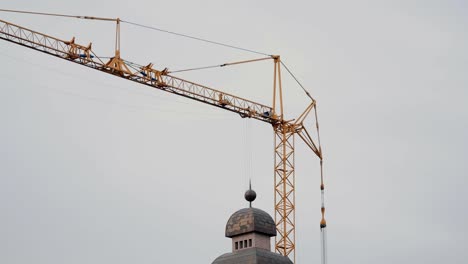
(84, 55)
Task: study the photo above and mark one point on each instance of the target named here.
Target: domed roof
(250, 220)
(252, 255)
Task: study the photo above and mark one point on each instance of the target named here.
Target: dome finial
(250, 194)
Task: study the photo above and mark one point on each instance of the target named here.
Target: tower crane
(285, 130)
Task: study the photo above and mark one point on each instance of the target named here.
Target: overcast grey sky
(96, 169)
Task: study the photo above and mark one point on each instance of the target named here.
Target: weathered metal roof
(252, 256)
(249, 220)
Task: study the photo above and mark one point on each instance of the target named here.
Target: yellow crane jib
(284, 130)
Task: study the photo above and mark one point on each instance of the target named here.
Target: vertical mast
(284, 170)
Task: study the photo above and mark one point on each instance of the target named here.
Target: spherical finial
(250, 195)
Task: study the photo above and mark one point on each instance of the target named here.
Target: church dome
(250, 230)
(249, 220)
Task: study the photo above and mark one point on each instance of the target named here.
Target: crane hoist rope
(284, 130)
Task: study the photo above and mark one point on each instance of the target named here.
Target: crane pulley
(284, 130)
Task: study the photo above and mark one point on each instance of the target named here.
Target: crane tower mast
(285, 131)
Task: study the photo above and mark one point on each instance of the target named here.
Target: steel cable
(195, 38)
